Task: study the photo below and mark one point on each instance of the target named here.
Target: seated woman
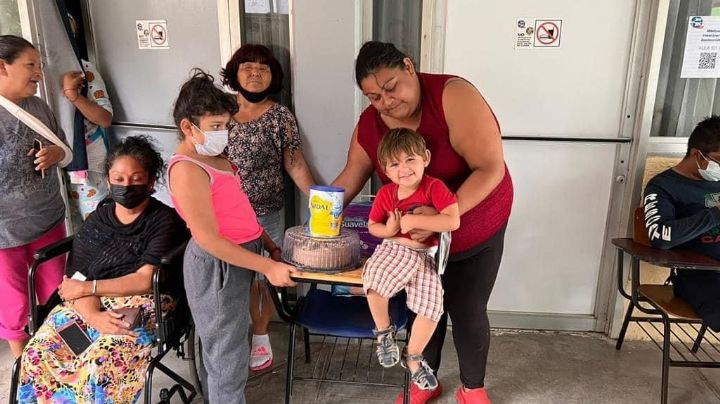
(115, 251)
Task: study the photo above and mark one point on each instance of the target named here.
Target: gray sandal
(423, 377)
(388, 353)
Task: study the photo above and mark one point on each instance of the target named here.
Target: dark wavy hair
(255, 54)
(706, 136)
(375, 55)
(12, 46)
(200, 96)
(142, 149)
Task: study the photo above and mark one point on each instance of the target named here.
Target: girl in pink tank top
(226, 239)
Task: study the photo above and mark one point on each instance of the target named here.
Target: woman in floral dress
(263, 140)
(115, 253)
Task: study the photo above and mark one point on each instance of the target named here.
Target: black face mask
(254, 97)
(130, 196)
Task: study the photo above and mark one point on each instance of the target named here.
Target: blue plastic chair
(320, 312)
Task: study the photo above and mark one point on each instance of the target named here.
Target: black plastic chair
(172, 327)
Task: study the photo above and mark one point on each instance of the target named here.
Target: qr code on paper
(707, 60)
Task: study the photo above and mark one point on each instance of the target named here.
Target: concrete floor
(524, 367)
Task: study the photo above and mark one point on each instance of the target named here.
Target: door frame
(657, 14)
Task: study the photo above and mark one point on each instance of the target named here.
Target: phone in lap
(74, 337)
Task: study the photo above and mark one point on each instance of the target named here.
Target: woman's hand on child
(419, 234)
(279, 274)
(407, 223)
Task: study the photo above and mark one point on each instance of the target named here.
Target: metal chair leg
(14, 382)
(665, 361)
(290, 363)
(406, 388)
(147, 391)
(306, 341)
(699, 338)
(623, 329)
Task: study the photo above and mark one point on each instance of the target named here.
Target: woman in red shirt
(463, 135)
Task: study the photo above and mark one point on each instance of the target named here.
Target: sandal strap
(414, 358)
(423, 374)
(390, 330)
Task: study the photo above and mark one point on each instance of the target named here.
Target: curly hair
(256, 54)
(200, 96)
(142, 149)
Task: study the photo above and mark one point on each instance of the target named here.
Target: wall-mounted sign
(534, 33)
(152, 34)
(702, 44)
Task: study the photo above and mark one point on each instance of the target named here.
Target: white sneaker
(261, 353)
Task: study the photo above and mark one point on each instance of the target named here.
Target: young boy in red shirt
(401, 262)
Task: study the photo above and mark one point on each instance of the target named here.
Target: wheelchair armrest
(159, 318)
(42, 255)
(53, 250)
(173, 254)
(161, 322)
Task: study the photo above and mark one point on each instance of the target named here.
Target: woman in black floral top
(264, 139)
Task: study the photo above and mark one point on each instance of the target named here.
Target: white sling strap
(39, 127)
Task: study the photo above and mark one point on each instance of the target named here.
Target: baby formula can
(326, 207)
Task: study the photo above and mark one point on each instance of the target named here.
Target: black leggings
(468, 282)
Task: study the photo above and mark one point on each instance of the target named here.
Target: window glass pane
(681, 103)
(9, 18)
(266, 22)
(399, 22)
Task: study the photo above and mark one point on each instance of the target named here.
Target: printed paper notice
(152, 34)
(534, 33)
(702, 45)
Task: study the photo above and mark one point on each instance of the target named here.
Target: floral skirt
(110, 370)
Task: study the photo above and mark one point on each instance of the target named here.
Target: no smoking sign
(534, 33)
(152, 34)
(547, 33)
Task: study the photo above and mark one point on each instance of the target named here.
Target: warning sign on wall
(152, 34)
(534, 33)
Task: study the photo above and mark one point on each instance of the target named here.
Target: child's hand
(393, 223)
(407, 223)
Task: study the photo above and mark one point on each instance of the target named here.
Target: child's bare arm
(447, 220)
(388, 229)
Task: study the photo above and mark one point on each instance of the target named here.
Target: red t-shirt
(430, 192)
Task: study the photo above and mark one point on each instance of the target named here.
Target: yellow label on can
(326, 206)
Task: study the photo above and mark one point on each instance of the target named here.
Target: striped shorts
(394, 267)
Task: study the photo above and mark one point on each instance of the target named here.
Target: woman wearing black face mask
(115, 252)
(263, 139)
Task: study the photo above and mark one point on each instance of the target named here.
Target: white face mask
(215, 142)
(712, 172)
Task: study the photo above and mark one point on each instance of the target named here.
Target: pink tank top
(234, 215)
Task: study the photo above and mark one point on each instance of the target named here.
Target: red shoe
(474, 396)
(418, 396)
